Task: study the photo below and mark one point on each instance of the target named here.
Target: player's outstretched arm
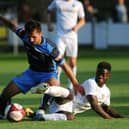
(70, 74)
(10, 24)
(112, 112)
(97, 108)
(81, 23)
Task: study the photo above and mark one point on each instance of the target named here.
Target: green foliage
(119, 84)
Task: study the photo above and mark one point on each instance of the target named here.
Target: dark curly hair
(104, 65)
(31, 25)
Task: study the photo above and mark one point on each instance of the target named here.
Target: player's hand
(80, 89)
(75, 29)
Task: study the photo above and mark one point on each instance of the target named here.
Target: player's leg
(72, 64)
(61, 94)
(71, 53)
(8, 92)
(51, 79)
(56, 116)
(64, 114)
(63, 97)
(54, 91)
(60, 42)
(19, 84)
(47, 98)
(52, 116)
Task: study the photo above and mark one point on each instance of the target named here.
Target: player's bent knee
(71, 95)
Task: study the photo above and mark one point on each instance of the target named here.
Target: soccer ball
(15, 112)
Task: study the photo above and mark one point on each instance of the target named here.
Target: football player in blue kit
(43, 59)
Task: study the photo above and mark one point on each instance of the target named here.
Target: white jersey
(81, 103)
(68, 12)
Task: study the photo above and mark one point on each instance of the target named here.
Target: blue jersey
(41, 58)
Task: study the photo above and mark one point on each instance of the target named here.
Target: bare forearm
(9, 23)
(80, 24)
(111, 112)
(97, 108)
(76, 85)
(101, 112)
(69, 73)
(114, 113)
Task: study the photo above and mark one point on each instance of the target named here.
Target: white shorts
(80, 104)
(54, 107)
(68, 44)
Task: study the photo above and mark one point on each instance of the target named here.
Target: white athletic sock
(57, 91)
(59, 73)
(70, 85)
(55, 116)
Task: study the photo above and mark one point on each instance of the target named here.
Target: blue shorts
(30, 78)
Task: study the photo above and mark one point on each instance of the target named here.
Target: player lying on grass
(43, 59)
(97, 96)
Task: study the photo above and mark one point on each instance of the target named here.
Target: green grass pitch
(11, 65)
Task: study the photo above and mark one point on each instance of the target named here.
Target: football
(15, 112)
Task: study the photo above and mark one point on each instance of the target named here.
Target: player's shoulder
(78, 2)
(50, 42)
(88, 82)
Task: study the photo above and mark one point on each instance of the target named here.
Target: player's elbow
(82, 20)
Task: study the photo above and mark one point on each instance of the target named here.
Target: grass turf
(119, 84)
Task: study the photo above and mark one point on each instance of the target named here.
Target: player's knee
(71, 95)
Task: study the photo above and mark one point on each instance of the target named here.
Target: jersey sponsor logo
(69, 10)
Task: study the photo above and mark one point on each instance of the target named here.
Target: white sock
(55, 116)
(70, 85)
(59, 73)
(57, 91)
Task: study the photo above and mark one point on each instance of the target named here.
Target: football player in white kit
(96, 97)
(97, 94)
(70, 18)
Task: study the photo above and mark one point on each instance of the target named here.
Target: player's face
(102, 75)
(35, 37)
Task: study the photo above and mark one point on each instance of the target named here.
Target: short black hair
(104, 65)
(31, 25)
